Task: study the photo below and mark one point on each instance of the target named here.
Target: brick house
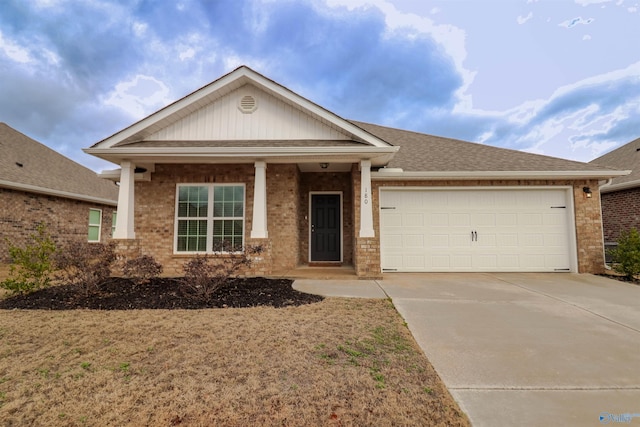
(39, 185)
(245, 161)
(621, 195)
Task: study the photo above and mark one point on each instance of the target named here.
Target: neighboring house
(621, 196)
(245, 161)
(38, 185)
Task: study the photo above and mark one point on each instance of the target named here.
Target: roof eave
(57, 193)
(618, 187)
(484, 175)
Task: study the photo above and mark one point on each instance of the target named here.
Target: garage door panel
(431, 230)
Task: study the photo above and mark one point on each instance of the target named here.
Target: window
(114, 218)
(210, 218)
(95, 222)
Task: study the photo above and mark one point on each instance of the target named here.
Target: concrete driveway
(530, 349)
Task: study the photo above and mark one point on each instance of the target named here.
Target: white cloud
(140, 28)
(14, 51)
(139, 96)
(189, 53)
(522, 19)
(590, 2)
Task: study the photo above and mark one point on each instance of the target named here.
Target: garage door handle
(474, 236)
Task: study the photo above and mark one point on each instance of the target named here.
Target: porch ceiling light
(324, 165)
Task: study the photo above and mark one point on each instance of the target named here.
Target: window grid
(204, 226)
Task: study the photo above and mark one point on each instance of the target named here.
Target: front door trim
(339, 193)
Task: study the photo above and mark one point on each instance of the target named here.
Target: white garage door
(476, 230)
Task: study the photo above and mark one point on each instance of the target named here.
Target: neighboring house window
(114, 217)
(95, 221)
(210, 218)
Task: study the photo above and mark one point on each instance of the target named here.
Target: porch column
(124, 224)
(259, 224)
(366, 208)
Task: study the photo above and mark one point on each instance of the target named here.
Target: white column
(366, 208)
(124, 223)
(259, 228)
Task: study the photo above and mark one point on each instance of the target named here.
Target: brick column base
(261, 263)
(126, 249)
(367, 258)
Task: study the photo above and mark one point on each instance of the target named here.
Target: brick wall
(155, 213)
(620, 212)
(67, 220)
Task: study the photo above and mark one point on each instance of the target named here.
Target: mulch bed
(161, 293)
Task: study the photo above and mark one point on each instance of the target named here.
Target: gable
(249, 113)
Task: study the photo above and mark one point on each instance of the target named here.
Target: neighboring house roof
(625, 157)
(447, 158)
(27, 165)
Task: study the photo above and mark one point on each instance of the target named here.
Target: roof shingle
(626, 157)
(24, 161)
(421, 152)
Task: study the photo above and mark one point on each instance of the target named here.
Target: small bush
(141, 269)
(626, 257)
(31, 266)
(202, 278)
(86, 264)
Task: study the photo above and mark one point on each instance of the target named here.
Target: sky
(560, 78)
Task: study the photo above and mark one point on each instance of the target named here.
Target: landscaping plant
(204, 275)
(31, 267)
(626, 257)
(141, 269)
(85, 264)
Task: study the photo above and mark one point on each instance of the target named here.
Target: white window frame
(99, 225)
(210, 218)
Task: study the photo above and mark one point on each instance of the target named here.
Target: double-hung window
(209, 218)
(95, 222)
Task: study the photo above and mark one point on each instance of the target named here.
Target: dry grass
(340, 362)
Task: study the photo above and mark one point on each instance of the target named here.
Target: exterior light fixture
(324, 165)
(587, 191)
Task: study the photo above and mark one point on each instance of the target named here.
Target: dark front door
(325, 227)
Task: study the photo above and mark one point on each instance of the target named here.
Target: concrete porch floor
(345, 272)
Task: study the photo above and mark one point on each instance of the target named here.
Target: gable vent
(248, 104)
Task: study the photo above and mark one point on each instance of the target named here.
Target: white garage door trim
(389, 253)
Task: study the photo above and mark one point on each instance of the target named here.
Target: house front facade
(246, 162)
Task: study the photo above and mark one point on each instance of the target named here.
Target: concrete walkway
(521, 349)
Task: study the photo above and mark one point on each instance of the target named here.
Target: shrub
(626, 257)
(86, 264)
(31, 266)
(202, 278)
(141, 269)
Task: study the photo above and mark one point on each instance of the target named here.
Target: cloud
(139, 96)
(576, 21)
(522, 19)
(591, 115)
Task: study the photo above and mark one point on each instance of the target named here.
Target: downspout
(606, 183)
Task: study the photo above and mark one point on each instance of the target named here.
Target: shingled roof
(625, 157)
(27, 165)
(421, 152)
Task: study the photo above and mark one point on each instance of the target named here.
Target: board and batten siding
(272, 119)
